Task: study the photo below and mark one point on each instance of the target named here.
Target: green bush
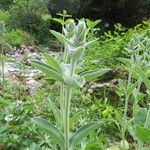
(111, 46)
(28, 17)
(15, 37)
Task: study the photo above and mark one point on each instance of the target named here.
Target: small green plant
(70, 75)
(4, 16)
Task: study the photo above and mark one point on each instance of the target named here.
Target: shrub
(15, 37)
(28, 17)
(110, 46)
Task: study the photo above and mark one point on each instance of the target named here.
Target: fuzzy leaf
(52, 62)
(74, 83)
(144, 78)
(51, 130)
(83, 132)
(78, 53)
(61, 38)
(51, 72)
(93, 74)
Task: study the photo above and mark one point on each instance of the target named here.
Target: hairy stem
(2, 60)
(68, 95)
(62, 105)
(67, 112)
(126, 110)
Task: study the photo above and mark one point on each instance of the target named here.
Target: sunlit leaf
(143, 134)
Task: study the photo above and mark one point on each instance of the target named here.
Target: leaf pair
(57, 135)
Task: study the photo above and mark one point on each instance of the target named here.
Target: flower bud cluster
(76, 33)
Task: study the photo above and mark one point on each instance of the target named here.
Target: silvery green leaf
(83, 132)
(140, 117)
(65, 69)
(52, 62)
(74, 82)
(48, 70)
(80, 27)
(123, 85)
(70, 26)
(55, 111)
(79, 69)
(78, 53)
(93, 74)
(54, 132)
(144, 77)
(61, 38)
(131, 130)
(74, 118)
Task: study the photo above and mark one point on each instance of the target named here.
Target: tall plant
(138, 68)
(70, 74)
(2, 28)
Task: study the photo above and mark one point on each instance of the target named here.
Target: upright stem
(67, 112)
(3, 75)
(62, 93)
(126, 110)
(2, 60)
(62, 105)
(65, 55)
(68, 94)
(62, 33)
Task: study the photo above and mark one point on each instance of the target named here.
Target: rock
(33, 86)
(30, 76)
